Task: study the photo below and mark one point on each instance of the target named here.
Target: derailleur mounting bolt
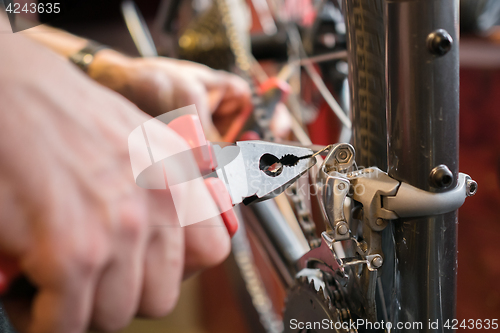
(342, 228)
(439, 42)
(441, 176)
(377, 261)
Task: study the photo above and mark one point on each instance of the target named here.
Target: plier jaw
(261, 170)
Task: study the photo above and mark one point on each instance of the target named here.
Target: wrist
(110, 68)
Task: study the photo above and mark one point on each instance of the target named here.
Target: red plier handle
(189, 127)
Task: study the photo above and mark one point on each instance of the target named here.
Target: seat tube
(422, 71)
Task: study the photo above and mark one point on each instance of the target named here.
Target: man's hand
(159, 85)
(83, 233)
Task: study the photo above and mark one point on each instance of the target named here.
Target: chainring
(315, 306)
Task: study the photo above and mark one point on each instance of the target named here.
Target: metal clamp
(410, 201)
(384, 198)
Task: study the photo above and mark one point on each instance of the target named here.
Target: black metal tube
(422, 119)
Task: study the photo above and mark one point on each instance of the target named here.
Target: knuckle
(162, 307)
(159, 79)
(133, 222)
(113, 321)
(90, 257)
(132, 228)
(194, 92)
(71, 258)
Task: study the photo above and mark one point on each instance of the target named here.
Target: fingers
(163, 268)
(62, 309)
(230, 104)
(204, 244)
(55, 309)
(117, 293)
(63, 302)
(119, 287)
(164, 258)
(194, 92)
(207, 244)
(233, 95)
(90, 273)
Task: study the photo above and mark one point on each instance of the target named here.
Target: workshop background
(208, 302)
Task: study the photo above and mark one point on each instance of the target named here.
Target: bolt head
(377, 261)
(379, 222)
(342, 229)
(439, 42)
(441, 177)
(343, 155)
(471, 187)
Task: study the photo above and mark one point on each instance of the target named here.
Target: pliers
(260, 170)
(244, 172)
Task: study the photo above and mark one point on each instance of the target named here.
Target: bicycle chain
(244, 64)
(337, 297)
(304, 217)
(341, 305)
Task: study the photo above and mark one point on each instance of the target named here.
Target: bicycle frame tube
(422, 121)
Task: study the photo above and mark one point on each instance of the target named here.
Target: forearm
(59, 41)
(106, 67)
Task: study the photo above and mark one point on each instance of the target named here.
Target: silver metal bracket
(385, 198)
(410, 201)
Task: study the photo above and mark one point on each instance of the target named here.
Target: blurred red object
(479, 218)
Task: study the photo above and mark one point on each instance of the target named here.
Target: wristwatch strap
(85, 56)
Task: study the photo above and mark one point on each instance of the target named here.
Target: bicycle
(396, 50)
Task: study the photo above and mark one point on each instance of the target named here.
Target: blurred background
(215, 300)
